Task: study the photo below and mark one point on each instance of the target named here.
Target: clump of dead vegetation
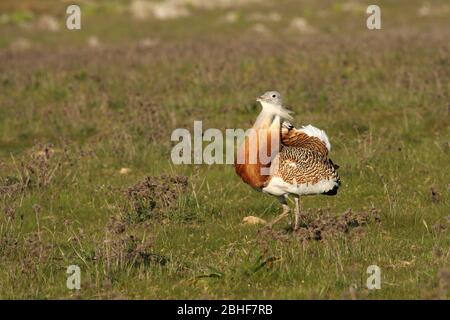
(154, 197)
(39, 168)
(441, 226)
(29, 252)
(440, 287)
(127, 240)
(8, 239)
(36, 170)
(128, 246)
(37, 251)
(320, 225)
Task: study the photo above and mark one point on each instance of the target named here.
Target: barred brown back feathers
(292, 137)
(303, 165)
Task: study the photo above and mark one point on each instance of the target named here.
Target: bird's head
(271, 97)
(272, 102)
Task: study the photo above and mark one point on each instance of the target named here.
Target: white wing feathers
(308, 130)
(318, 133)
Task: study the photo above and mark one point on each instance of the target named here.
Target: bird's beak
(259, 99)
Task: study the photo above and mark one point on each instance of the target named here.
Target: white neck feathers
(269, 112)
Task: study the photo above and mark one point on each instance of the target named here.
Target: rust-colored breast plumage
(249, 171)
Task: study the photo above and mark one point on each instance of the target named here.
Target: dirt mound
(320, 225)
(129, 240)
(154, 196)
(328, 226)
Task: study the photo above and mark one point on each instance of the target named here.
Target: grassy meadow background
(86, 177)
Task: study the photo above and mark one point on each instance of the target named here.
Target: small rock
(231, 17)
(253, 220)
(424, 10)
(47, 22)
(353, 7)
(258, 16)
(301, 25)
(125, 171)
(20, 44)
(142, 10)
(147, 43)
(260, 28)
(93, 42)
(169, 10)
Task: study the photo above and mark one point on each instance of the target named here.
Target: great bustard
(299, 163)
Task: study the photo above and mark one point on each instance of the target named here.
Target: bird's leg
(297, 213)
(284, 214)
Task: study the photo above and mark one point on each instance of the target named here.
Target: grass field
(86, 177)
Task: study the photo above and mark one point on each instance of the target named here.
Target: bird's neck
(264, 120)
(268, 128)
(271, 115)
(263, 140)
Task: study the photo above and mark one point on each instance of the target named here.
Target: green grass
(382, 97)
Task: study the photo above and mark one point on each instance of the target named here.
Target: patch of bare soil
(320, 225)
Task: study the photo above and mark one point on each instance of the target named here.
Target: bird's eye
(274, 96)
